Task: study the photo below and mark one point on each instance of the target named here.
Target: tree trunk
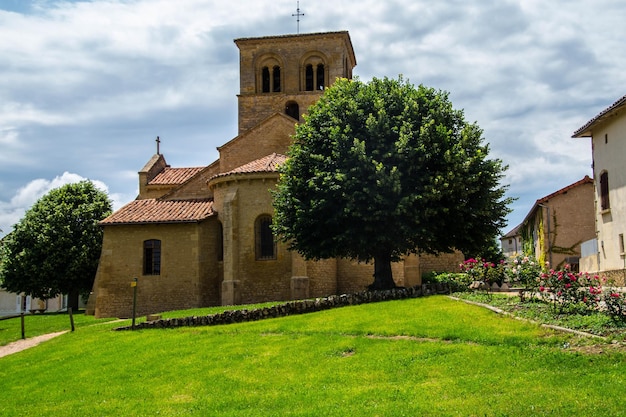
(383, 277)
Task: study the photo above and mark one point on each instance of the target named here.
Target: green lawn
(419, 357)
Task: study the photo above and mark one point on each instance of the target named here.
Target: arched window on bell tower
(309, 78)
(265, 80)
(276, 79)
(319, 79)
(313, 73)
(269, 74)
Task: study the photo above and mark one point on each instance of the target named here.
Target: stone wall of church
(273, 136)
(444, 262)
(189, 275)
(322, 277)
(256, 108)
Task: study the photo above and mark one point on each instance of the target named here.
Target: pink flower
(541, 288)
(615, 295)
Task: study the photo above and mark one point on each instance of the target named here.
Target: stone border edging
(293, 308)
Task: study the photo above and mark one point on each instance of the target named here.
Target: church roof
(268, 163)
(173, 176)
(161, 211)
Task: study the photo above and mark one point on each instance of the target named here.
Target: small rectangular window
(621, 244)
(152, 257)
(604, 191)
(265, 244)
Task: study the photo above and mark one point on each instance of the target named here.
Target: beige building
(604, 252)
(12, 303)
(201, 236)
(557, 225)
(511, 243)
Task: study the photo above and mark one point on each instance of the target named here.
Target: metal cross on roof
(158, 141)
(297, 14)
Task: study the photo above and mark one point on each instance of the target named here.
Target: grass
(593, 322)
(38, 324)
(429, 356)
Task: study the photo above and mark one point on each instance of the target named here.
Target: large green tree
(54, 249)
(382, 169)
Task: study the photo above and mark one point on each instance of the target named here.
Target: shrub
(615, 305)
(567, 291)
(485, 271)
(525, 271)
(457, 282)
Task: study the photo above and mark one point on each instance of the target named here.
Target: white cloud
(12, 211)
(87, 85)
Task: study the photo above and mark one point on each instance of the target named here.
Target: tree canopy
(54, 249)
(382, 169)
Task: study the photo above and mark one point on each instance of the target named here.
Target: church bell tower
(289, 73)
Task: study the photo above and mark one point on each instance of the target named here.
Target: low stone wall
(293, 307)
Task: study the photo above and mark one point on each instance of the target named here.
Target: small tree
(383, 169)
(54, 249)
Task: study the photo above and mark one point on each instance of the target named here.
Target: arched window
(276, 79)
(265, 79)
(309, 78)
(313, 71)
(319, 82)
(292, 109)
(265, 245)
(152, 257)
(605, 204)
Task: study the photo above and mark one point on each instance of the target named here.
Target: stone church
(201, 236)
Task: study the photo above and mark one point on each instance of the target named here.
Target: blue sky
(86, 86)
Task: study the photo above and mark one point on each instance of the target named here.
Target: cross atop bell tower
(297, 15)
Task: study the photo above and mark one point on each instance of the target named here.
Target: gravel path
(23, 344)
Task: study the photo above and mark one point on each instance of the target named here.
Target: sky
(87, 86)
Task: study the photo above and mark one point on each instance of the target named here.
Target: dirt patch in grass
(24, 344)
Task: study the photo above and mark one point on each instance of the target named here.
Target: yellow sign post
(133, 285)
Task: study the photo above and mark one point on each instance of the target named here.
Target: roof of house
(512, 233)
(268, 163)
(564, 190)
(174, 176)
(161, 211)
(585, 131)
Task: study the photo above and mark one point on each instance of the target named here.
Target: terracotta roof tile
(173, 176)
(563, 190)
(161, 211)
(268, 163)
